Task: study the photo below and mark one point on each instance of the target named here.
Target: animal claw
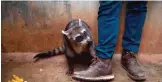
(69, 72)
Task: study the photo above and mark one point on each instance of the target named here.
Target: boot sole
(131, 76)
(100, 78)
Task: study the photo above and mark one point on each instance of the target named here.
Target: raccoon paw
(69, 72)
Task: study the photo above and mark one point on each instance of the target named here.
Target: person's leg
(108, 20)
(134, 22)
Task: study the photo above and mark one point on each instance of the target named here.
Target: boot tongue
(127, 52)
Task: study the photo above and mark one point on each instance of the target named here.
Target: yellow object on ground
(16, 79)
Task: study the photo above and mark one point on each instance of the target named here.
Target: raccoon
(78, 44)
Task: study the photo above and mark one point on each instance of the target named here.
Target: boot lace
(94, 61)
(133, 59)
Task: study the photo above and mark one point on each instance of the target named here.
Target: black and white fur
(78, 44)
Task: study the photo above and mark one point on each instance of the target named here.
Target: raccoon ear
(64, 32)
(80, 23)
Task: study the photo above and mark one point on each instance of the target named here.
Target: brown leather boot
(99, 70)
(132, 66)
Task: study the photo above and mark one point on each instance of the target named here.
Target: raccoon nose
(79, 38)
(90, 42)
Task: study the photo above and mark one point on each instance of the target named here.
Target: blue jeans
(108, 22)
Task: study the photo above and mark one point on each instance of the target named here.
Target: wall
(29, 26)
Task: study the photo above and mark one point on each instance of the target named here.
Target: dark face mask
(79, 38)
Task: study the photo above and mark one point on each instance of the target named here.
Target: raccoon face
(77, 35)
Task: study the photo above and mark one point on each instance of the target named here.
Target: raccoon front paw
(69, 72)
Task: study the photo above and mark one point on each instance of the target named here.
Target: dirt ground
(53, 69)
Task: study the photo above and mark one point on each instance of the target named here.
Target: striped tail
(57, 51)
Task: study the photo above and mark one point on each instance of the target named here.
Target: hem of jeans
(131, 49)
(104, 57)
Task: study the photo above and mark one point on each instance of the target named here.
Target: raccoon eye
(85, 33)
(79, 38)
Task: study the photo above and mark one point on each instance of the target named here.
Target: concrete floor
(53, 69)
